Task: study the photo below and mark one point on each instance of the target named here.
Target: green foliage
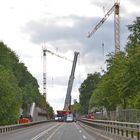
(120, 85)
(109, 92)
(18, 88)
(133, 75)
(45, 106)
(10, 97)
(50, 111)
(134, 37)
(7, 57)
(86, 89)
(76, 108)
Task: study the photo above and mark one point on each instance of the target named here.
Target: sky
(26, 26)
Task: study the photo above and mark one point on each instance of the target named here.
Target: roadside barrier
(116, 129)
(7, 128)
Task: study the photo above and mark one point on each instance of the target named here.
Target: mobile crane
(67, 111)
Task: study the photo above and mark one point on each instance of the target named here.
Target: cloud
(73, 36)
(136, 2)
(101, 3)
(68, 38)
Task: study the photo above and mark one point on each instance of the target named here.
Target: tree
(111, 90)
(134, 37)
(133, 67)
(120, 85)
(86, 90)
(11, 97)
(14, 76)
(76, 108)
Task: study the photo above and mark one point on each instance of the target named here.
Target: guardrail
(123, 129)
(7, 128)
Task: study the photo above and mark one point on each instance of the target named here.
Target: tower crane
(45, 50)
(116, 9)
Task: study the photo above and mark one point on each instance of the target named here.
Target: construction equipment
(44, 67)
(67, 111)
(70, 84)
(115, 8)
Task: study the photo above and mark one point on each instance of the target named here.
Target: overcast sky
(62, 26)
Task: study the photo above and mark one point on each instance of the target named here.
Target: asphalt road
(52, 131)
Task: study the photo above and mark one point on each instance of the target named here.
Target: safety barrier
(7, 128)
(121, 129)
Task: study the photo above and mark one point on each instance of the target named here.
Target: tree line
(18, 88)
(119, 85)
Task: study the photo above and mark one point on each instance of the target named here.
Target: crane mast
(70, 83)
(44, 73)
(117, 27)
(115, 8)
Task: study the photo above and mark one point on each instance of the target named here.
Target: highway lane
(52, 131)
(73, 131)
(28, 133)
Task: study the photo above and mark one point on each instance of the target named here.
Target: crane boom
(115, 8)
(101, 22)
(57, 55)
(44, 68)
(70, 83)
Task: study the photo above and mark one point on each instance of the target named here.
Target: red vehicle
(24, 120)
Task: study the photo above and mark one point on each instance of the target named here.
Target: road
(52, 131)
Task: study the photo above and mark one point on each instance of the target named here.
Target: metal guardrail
(7, 128)
(123, 129)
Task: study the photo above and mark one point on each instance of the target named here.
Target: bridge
(42, 127)
(83, 129)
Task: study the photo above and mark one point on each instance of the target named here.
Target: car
(69, 118)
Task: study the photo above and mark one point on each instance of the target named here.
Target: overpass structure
(82, 130)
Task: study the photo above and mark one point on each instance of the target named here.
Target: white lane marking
(80, 131)
(84, 137)
(96, 133)
(54, 132)
(44, 132)
(76, 126)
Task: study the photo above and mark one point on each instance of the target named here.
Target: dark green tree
(10, 97)
(109, 92)
(26, 86)
(86, 89)
(134, 37)
(76, 108)
(133, 69)
(120, 85)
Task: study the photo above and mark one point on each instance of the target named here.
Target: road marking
(94, 131)
(77, 127)
(84, 137)
(80, 131)
(44, 132)
(54, 132)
